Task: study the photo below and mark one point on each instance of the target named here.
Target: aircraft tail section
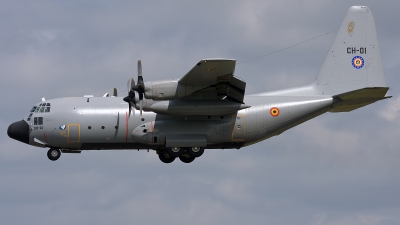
(353, 61)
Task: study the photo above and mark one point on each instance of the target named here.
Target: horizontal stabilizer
(352, 100)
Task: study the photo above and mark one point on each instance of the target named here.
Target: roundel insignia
(274, 112)
(357, 62)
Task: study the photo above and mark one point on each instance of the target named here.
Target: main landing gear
(186, 155)
(53, 154)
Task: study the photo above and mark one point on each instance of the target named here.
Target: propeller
(130, 99)
(139, 88)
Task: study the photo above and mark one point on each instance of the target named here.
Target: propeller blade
(130, 99)
(139, 88)
(132, 85)
(128, 84)
(130, 109)
(139, 69)
(141, 106)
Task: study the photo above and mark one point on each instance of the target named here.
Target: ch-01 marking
(354, 50)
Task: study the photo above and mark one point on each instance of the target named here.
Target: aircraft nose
(19, 131)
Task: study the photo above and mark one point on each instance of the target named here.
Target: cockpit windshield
(41, 108)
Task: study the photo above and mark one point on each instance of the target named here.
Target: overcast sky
(341, 168)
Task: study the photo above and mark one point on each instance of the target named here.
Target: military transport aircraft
(207, 108)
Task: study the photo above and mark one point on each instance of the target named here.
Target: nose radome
(19, 131)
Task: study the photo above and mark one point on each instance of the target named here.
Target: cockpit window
(29, 117)
(42, 108)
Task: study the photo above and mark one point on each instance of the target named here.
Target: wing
(214, 77)
(206, 71)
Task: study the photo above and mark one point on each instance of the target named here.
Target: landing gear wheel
(175, 151)
(195, 151)
(165, 157)
(186, 158)
(53, 154)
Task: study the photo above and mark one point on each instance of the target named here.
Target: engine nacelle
(161, 90)
(168, 90)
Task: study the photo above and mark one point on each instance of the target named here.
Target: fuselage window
(47, 109)
(34, 120)
(40, 122)
(33, 109)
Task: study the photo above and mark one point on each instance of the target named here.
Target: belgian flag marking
(274, 112)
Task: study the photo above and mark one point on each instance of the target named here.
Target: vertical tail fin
(353, 61)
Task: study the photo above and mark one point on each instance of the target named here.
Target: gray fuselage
(80, 123)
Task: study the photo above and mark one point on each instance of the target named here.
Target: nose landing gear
(53, 154)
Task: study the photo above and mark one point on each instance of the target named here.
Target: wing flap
(231, 87)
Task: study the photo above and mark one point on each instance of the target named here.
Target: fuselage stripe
(45, 137)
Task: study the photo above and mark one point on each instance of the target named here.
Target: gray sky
(336, 169)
